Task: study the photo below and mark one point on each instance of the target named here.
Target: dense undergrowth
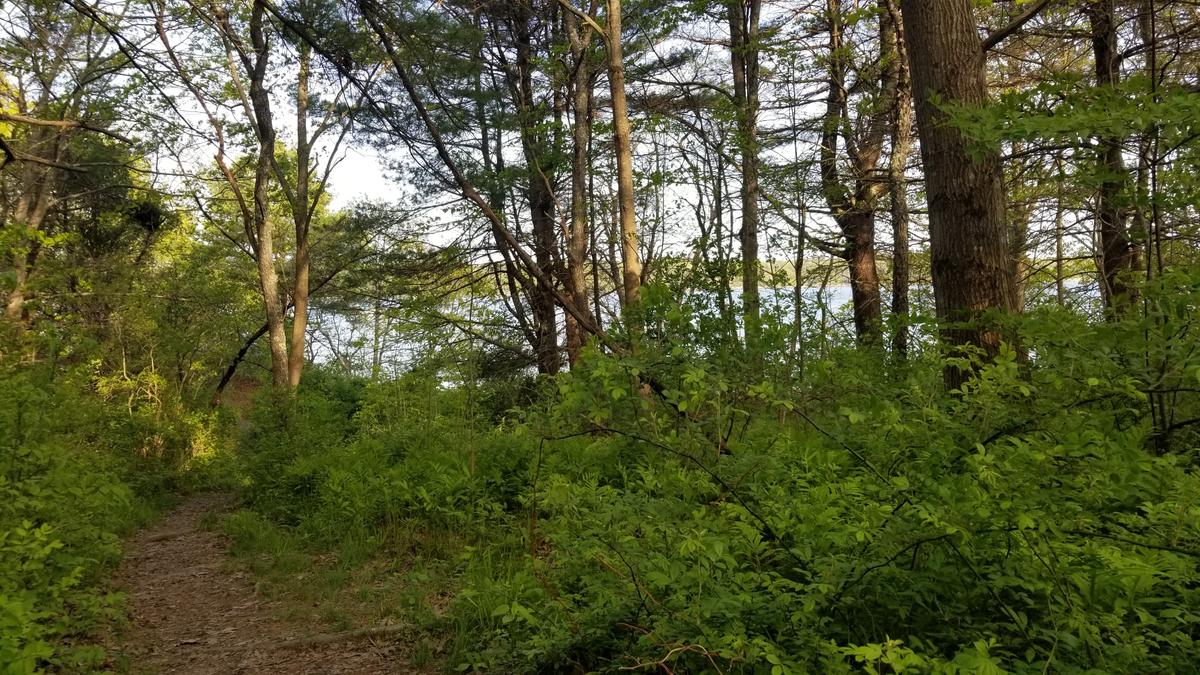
(84, 459)
(696, 508)
(688, 506)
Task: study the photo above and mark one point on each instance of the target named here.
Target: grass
(406, 573)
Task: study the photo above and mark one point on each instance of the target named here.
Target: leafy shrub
(1036, 521)
(698, 508)
(405, 449)
(75, 473)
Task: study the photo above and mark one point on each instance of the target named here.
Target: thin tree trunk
(301, 215)
(854, 206)
(264, 249)
(1060, 293)
(593, 220)
(902, 137)
(743, 50)
(539, 192)
(623, 149)
(1118, 259)
(376, 341)
(581, 104)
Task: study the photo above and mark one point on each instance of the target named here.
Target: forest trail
(191, 613)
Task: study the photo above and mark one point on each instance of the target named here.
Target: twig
(344, 636)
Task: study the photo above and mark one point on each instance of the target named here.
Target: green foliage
(83, 459)
(340, 459)
(694, 507)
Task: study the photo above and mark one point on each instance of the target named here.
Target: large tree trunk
(539, 192)
(1118, 255)
(743, 52)
(623, 150)
(969, 247)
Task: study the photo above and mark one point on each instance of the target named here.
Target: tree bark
(264, 244)
(539, 193)
(623, 150)
(1118, 255)
(969, 247)
(578, 235)
(854, 206)
(858, 227)
(743, 53)
(301, 216)
(902, 137)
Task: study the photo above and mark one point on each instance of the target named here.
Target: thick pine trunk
(858, 227)
(969, 241)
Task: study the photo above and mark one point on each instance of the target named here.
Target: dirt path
(192, 614)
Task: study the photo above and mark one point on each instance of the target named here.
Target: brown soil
(192, 612)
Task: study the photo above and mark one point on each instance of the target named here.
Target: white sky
(360, 176)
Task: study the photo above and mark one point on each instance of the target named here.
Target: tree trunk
(1118, 257)
(854, 206)
(1060, 292)
(581, 104)
(301, 215)
(969, 247)
(859, 229)
(743, 52)
(540, 194)
(623, 150)
(902, 121)
(264, 248)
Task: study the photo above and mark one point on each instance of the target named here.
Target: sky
(360, 176)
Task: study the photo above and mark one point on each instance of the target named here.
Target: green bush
(1038, 521)
(77, 470)
(699, 508)
(334, 468)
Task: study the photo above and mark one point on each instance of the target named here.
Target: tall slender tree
(743, 18)
(854, 203)
(1118, 255)
(901, 139)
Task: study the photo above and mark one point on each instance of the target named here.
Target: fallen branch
(344, 636)
(170, 535)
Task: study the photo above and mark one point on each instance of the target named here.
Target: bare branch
(1004, 32)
